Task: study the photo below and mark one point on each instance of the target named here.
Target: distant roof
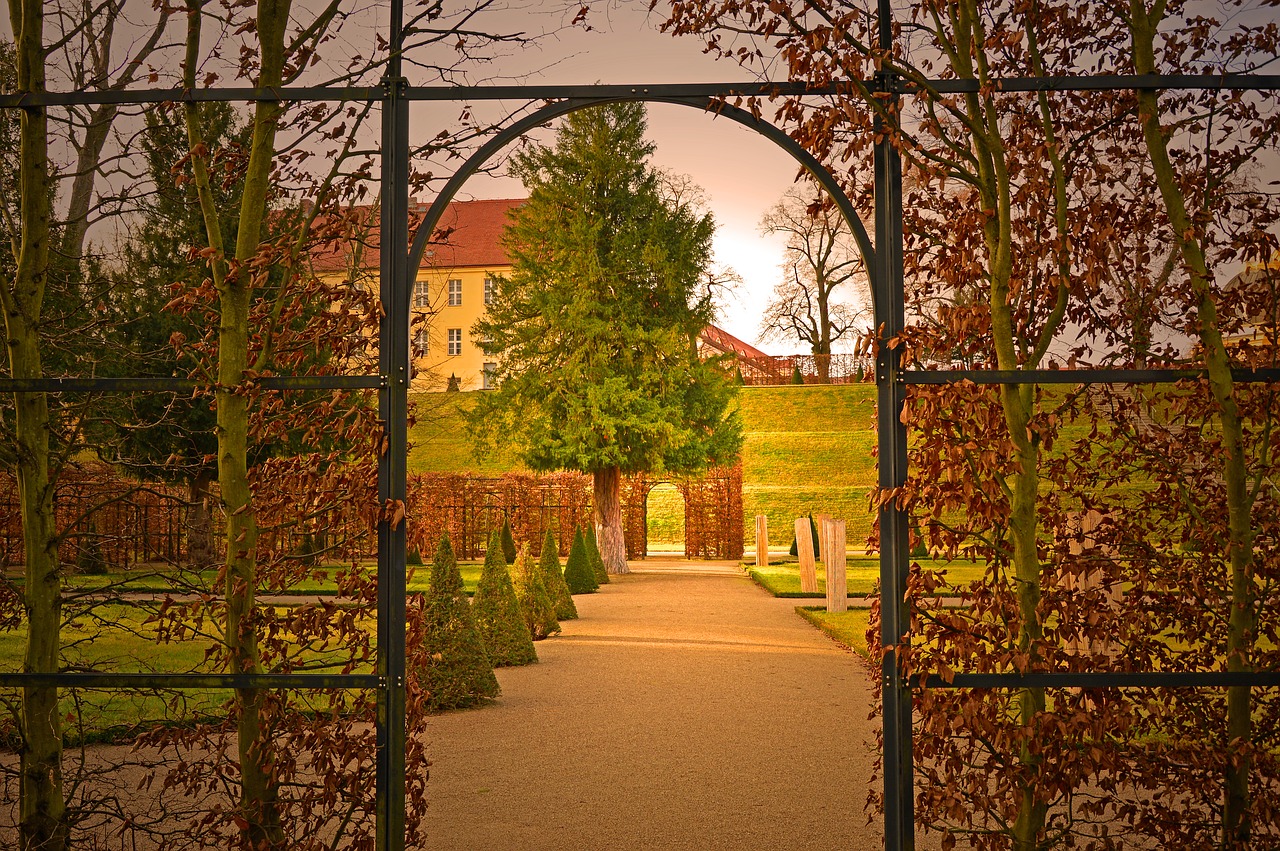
(468, 234)
(720, 339)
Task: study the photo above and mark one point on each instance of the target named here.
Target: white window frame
(489, 286)
(421, 293)
(455, 292)
(455, 342)
(488, 380)
(421, 342)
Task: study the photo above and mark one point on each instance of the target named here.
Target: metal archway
(706, 104)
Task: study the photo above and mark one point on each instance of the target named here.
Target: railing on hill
(841, 368)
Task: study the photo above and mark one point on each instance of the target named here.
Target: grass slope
(806, 449)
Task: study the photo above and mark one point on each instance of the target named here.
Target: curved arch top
(705, 104)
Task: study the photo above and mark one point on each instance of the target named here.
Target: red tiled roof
(468, 234)
(720, 339)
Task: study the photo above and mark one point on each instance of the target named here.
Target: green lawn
(847, 628)
(862, 575)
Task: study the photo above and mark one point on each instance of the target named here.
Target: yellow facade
(446, 305)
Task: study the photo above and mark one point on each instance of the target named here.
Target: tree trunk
(42, 809)
(1236, 828)
(607, 514)
(201, 553)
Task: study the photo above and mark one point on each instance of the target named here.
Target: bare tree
(820, 259)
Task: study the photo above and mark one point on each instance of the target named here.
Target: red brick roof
(468, 234)
(722, 340)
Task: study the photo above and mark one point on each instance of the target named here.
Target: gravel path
(686, 709)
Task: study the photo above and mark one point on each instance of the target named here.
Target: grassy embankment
(806, 449)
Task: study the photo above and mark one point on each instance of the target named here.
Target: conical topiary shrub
(535, 603)
(498, 617)
(578, 574)
(553, 579)
(508, 542)
(593, 553)
(457, 672)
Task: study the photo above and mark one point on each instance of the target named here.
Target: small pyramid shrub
(508, 542)
(593, 553)
(89, 558)
(457, 672)
(536, 608)
(578, 574)
(553, 579)
(498, 615)
(797, 377)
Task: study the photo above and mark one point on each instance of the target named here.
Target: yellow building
(453, 285)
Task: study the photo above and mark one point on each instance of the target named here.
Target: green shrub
(508, 542)
(89, 558)
(457, 670)
(413, 557)
(920, 549)
(535, 603)
(553, 579)
(593, 553)
(797, 377)
(578, 574)
(498, 617)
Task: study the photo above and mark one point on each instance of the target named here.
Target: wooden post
(762, 541)
(837, 583)
(804, 548)
(820, 546)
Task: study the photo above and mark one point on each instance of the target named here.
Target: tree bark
(607, 514)
(201, 553)
(1236, 827)
(42, 808)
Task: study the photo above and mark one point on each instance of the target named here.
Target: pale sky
(741, 172)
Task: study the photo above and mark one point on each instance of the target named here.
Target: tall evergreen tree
(596, 328)
(506, 638)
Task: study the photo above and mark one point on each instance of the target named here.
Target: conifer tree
(553, 579)
(593, 553)
(458, 671)
(609, 261)
(498, 617)
(508, 542)
(535, 603)
(578, 574)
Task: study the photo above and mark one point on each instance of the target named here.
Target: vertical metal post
(899, 803)
(393, 359)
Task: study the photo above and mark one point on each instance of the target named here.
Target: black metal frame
(399, 262)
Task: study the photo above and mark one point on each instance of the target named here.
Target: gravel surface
(686, 709)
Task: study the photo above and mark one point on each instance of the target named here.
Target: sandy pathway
(686, 709)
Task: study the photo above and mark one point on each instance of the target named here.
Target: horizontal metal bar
(1076, 376)
(155, 385)
(1105, 679)
(740, 88)
(189, 681)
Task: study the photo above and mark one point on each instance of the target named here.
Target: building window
(488, 379)
(455, 341)
(455, 292)
(489, 286)
(421, 294)
(421, 343)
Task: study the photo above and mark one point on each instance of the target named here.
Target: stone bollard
(804, 549)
